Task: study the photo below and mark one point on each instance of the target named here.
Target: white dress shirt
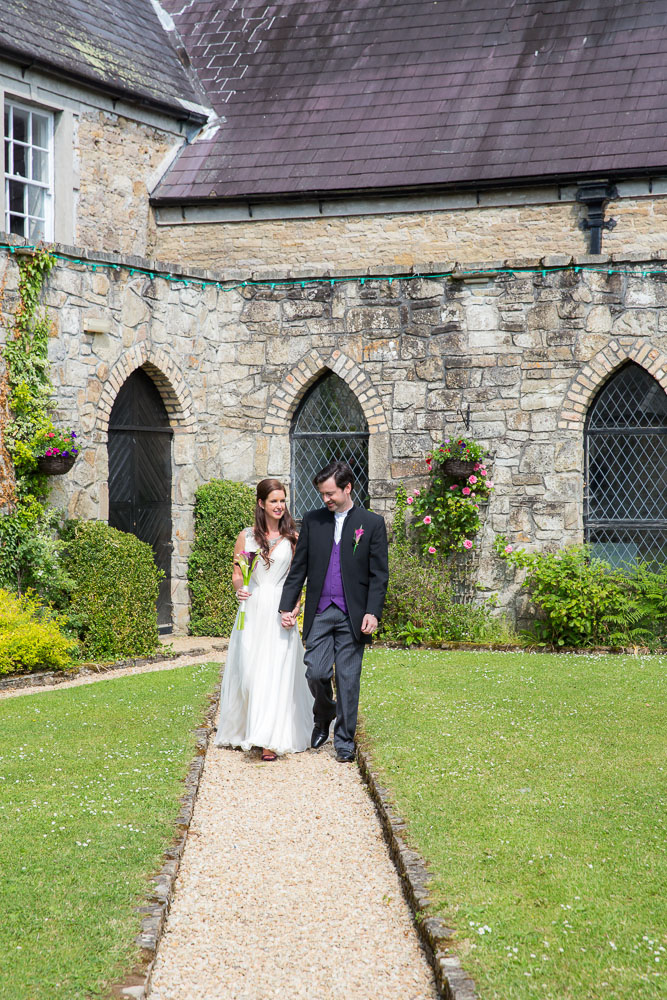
(340, 520)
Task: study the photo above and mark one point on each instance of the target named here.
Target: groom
(342, 556)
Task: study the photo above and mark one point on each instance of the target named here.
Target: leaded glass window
(626, 469)
(328, 425)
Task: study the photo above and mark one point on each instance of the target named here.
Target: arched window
(625, 514)
(329, 424)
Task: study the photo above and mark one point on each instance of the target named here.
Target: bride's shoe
(269, 755)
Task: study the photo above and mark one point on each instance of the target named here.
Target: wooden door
(140, 475)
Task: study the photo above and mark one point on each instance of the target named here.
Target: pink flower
(508, 549)
(50, 434)
(466, 491)
(454, 487)
(427, 519)
(482, 472)
(417, 492)
(477, 466)
(472, 479)
(489, 483)
(428, 462)
(467, 544)
(431, 550)
(410, 500)
(48, 452)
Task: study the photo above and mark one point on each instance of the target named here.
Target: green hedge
(113, 603)
(222, 509)
(31, 636)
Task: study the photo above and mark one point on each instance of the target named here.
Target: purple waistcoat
(332, 591)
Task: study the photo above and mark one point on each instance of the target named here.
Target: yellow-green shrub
(31, 636)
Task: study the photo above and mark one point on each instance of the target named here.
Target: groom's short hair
(339, 471)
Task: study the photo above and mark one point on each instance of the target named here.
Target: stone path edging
(158, 903)
(451, 979)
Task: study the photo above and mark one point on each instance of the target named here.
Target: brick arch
(599, 370)
(167, 377)
(287, 397)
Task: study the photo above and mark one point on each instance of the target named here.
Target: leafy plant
(222, 509)
(32, 636)
(29, 545)
(583, 601)
(420, 606)
(116, 585)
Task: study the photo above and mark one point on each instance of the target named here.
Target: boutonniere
(357, 537)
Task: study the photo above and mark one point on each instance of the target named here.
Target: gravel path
(286, 890)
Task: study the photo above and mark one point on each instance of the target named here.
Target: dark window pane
(20, 124)
(20, 168)
(17, 225)
(16, 196)
(7, 156)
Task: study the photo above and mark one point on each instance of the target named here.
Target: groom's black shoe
(345, 757)
(320, 735)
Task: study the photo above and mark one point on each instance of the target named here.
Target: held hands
(288, 618)
(369, 624)
(242, 594)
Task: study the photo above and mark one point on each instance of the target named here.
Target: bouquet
(246, 563)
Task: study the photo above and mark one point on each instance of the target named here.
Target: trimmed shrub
(420, 607)
(113, 604)
(31, 635)
(222, 509)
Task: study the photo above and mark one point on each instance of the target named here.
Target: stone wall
(409, 239)
(526, 352)
(119, 161)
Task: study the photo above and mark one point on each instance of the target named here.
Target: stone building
(278, 229)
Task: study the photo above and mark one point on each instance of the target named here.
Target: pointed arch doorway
(139, 452)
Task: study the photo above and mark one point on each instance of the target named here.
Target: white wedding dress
(265, 700)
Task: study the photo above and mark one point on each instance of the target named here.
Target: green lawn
(90, 779)
(534, 786)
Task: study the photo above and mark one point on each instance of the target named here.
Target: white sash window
(28, 172)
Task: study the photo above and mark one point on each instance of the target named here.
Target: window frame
(10, 103)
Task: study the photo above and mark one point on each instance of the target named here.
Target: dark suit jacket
(365, 571)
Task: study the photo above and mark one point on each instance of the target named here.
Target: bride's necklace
(273, 541)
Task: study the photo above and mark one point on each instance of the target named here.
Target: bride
(265, 700)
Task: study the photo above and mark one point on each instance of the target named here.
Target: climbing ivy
(29, 549)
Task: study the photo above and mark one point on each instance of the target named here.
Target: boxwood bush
(32, 636)
(116, 582)
(222, 509)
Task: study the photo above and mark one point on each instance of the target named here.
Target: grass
(534, 786)
(90, 779)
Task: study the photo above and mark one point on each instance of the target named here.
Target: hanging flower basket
(458, 467)
(55, 465)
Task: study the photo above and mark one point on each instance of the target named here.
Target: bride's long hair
(286, 525)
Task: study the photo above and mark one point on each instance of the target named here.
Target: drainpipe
(595, 195)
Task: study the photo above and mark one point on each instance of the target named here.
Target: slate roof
(325, 96)
(118, 45)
